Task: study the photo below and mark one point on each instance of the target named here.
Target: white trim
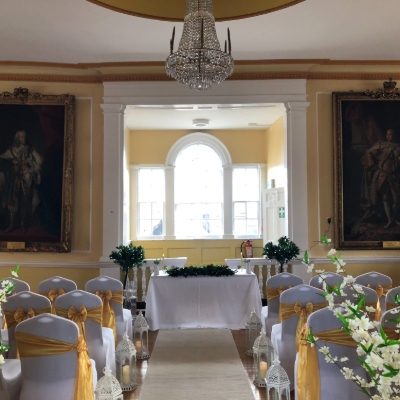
(198, 138)
(359, 260)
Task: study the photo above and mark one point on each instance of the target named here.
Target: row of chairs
(84, 308)
(290, 302)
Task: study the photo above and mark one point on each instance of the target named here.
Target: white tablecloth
(202, 302)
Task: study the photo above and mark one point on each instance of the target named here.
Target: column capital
(297, 106)
(169, 168)
(113, 108)
(228, 167)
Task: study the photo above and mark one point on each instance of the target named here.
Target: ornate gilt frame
(22, 96)
(389, 93)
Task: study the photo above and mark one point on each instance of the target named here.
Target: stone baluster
(144, 267)
(277, 269)
(260, 279)
(135, 284)
(268, 271)
(285, 267)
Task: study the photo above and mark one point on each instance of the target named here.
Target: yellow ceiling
(174, 10)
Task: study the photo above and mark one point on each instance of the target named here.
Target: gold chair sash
(273, 293)
(37, 346)
(108, 312)
(390, 306)
(308, 379)
(391, 333)
(4, 326)
(52, 295)
(290, 310)
(13, 317)
(79, 317)
(381, 291)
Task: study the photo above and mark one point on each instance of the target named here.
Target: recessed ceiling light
(200, 123)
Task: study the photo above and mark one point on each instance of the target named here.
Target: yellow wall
(320, 172)
(275, 147)
(87, 224)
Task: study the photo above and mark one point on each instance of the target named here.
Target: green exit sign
(281, 211)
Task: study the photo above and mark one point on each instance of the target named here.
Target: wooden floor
(240, 340)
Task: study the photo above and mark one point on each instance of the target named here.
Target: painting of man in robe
(31, 172)
(370, 137)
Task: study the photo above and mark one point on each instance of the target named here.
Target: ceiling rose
(224, 10)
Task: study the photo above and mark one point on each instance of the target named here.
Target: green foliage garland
(285, 251)
(207, 270)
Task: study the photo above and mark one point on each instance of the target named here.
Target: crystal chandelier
(199, 61)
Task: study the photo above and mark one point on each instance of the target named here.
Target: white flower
(13, 273)
(344, 359)
(332, 252)
(310, 268)
(347, 372)
(347, 280)
(319, 271)
(329, 240)
(329, 297)
(324, 350)
(370, 309)
(1, 359)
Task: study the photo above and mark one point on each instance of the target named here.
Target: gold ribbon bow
(308, 379)
(380, 291)
(79, 317)
(52, 295)
(37, 346)
(290, 310)
(20, 314)
(108, 312)
(273, 293)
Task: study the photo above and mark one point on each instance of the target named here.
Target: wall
(87, 192)
(151, 147)
(320, 177)
(275, 147)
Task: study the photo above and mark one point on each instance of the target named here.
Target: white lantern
(277, 380)
(125, 359)
(263, 353)
(253, 330)
(141, 337)
(108, 388)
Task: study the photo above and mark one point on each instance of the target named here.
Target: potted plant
(283, 252)
(128, 257)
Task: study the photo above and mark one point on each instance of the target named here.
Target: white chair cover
(57, 282)
(333, 385)
(370, 296)
(388, 315)
(25, 300)
(283, 335)
(123, 319)
(332, 279)
(10, 380)
(50, 377)
(390, 296)
(270, 313)
(100, 341)
(374, 279)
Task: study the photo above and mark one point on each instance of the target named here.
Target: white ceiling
(76, 31)
(219, 116)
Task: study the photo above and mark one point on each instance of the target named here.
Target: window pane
(157, 210)
(240, 227)
(145, 211)
(239, 210)
(252, 226)
(145, 228)
(151, 185)
(252, 210)
(157, 227)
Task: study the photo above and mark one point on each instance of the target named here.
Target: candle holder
(277, 380)
(125, 358)
(141, 337)
(263, 354)
(156, 268)
(253, 330)
(247, 265)
(108, 387)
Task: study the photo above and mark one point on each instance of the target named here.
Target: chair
(10, 380)
(123, 320)
(381, 283)
(99, 340)
(275, 286)
(56, 286)
(332, 279)
(389, 300)
(51, 376)
(29, 304)
(284, 335)
(332, 384)
(390, 327)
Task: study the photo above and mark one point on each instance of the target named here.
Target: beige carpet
(195, 364)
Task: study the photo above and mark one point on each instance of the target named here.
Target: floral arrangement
(378, 355)
(207, 270)
(284, 251)
(6, 287)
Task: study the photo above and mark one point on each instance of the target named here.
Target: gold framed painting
(36, 171)
(367, 168)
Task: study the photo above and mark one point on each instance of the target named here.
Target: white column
(113, 178)
(228, 205)
(296, 166)
(133, 187)
(169, 203)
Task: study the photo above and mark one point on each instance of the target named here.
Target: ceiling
(77, 31)
(219, 116)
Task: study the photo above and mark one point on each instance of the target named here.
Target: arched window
(198, 192)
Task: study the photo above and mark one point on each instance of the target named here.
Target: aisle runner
(195, 364)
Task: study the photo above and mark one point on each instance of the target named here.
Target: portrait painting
(36, 170)
(367, 169)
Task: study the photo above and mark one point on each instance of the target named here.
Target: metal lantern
(125, 359)
(141, 337)
(108, 388)
(263, 353)
(277, 380)
(253, 330)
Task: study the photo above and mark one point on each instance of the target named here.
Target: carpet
(195, 364)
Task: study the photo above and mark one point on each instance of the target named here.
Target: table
(202, 302)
